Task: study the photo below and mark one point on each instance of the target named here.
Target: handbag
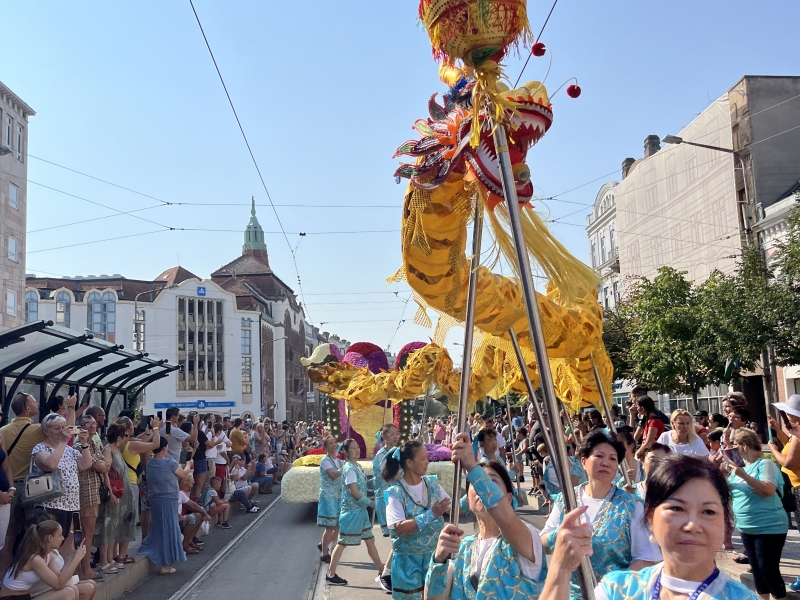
(42, 488)
(116, 484)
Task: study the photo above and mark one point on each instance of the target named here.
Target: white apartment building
(14, 115)
(186, 320)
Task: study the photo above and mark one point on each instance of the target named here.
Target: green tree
(787, 261)
(618, 334)
(673, 344)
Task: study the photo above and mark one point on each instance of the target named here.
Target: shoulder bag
(42, 488)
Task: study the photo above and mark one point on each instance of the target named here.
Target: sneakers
(795, 587)
(225, 525)
(253, 509)
(385, 581)
(335, 580)
(326, 559)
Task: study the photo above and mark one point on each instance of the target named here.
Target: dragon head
(445, 149)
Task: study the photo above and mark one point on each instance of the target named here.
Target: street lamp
(138, 333)
(744, 220)
(5, 150)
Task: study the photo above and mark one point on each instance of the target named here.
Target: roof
(126, 289)
(16, 102)
(790, 192)
(246, 264)
(176, 275)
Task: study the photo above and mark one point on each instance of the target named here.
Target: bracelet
(84, 447)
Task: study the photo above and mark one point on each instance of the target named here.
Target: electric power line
(538, 37)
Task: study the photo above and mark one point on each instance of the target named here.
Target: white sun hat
(791, 406)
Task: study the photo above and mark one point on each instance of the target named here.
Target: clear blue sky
(326, 91)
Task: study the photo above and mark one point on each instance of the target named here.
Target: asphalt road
(277, 558)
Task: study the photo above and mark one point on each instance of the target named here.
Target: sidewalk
(357, 568)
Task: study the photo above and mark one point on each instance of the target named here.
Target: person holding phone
(175, 435)
(36, 568)
(7, 491)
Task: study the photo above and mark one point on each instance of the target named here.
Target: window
(612, 237)
(13, 250)
(9, 125)
(102, 315)
(246, 341)
(11, 303)
(62, 309)
(247, 386)
(691, 169)
(31, 306)
(13, 196)
(651, 197)
(616, 292)
(603, 249)
(594, 256)
(605, 297)
(19, 142)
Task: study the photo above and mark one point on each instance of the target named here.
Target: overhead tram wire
(252, 156)
(538, 37)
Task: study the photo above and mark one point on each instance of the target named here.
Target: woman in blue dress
(619, 535)
(504, 560)
(415, 505)
(354, 523)
(688, 510)
(389, 435)
(330, 497)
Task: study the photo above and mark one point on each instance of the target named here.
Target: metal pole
(560, 456)
(423, 428)
(466, 361)
(348, 418)
(607, 413)
(548, 438)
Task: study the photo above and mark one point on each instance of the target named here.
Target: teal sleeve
(363, 502)
(463, 506)
(424, 519)
(436, 579)
(487, 490)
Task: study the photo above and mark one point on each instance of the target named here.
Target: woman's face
(391, 437)
(353, 452)
(690, 525)
(419, 464)
(56, 430)
(330, 445)
(712, 424)
(601, 466)
(682, 424)
(475, 504)
(735, 420)
(726, 408)
(642, 412)
(55, 540)
(186, 483)
(651, 458)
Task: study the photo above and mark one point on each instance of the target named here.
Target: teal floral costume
(501, 576)
(611, 535)
(330, 497)
(638, 585)
(380, 487)
(354, 524)
(412, 552)
(576, 470)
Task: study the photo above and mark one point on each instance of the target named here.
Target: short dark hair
(676, 470)
(596, 438)
(93, 411)
(55, 403)
(392, 466)
(522, 431)
(638, 391)
(595, 414)
(173, 411)
(742, 412)
(715, 436)
(656, 447)
(718, 418)
(625, 437)
(484, 433)
(502, 472)
(19, 403)
(115, 431)
(237, 422)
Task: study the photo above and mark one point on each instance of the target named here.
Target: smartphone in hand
(169, 427)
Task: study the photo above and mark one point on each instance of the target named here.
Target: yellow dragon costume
(455, 171)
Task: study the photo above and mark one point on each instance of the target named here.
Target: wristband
(436, 579)
(487, 490)
(424, 519)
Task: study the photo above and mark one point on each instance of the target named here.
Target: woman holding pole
(620, 538)
(389, 435)
(415, 505)
(504, 559)
(330, 497)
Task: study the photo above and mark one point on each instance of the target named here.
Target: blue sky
(126, 91)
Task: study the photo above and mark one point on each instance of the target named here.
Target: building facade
(14, 113)
(602, 231)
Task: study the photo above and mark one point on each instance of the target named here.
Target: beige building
(602, 231)
(14, 115)
(677, 205)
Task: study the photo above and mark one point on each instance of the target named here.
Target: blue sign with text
(199, 404)
(201, 290)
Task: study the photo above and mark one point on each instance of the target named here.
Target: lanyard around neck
(709, 580)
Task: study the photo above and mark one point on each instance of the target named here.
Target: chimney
(626, 166)
(652, 144)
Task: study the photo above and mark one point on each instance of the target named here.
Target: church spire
(254, 236)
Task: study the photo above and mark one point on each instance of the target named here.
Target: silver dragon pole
(560, 456)
(608, 417)
(466, 362)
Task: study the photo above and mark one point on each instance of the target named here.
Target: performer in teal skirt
(354, 523)
(688, 509)
(415, 505)
(504, 561)
(330, 497)
(389, 435)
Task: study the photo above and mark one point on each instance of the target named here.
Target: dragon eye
(523, 175)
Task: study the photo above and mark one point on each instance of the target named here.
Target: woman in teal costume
(389, 435)
(415, 505)
(504, 561)
(354, 524)
(620, 537)
(688, 509)
(330, 497)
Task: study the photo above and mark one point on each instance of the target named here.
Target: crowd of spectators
(177, 477)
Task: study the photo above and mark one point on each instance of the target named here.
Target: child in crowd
(213, 505)
(261, 475)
